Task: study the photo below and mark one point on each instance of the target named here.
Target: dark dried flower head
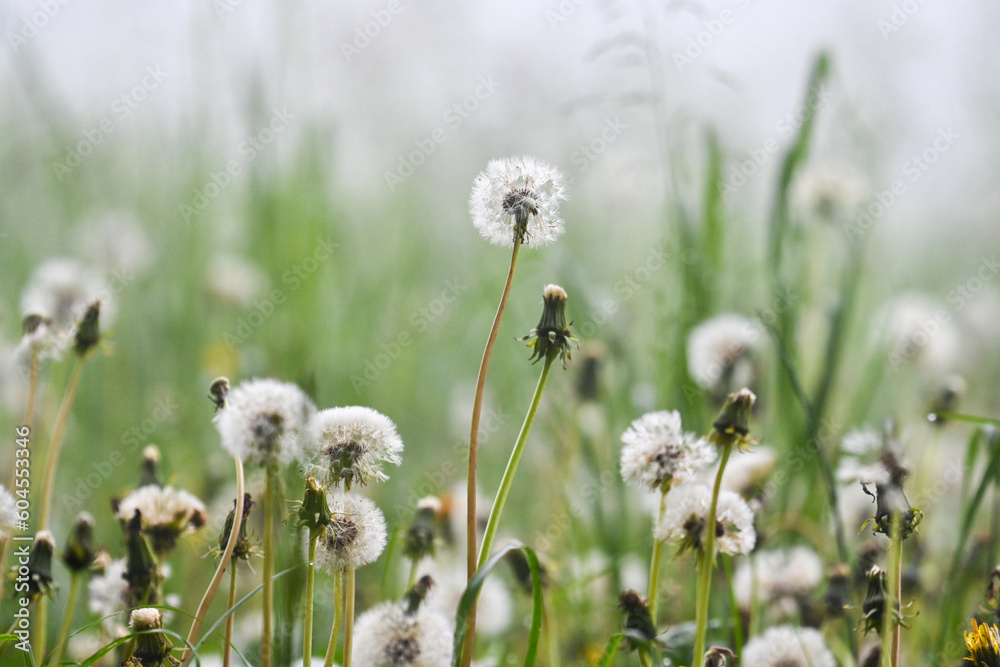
(732, 426)
(88, 332)
(80, 552)
(218, 391)
(40, 564)
(637, 617)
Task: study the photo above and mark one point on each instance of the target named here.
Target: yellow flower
(984, 645)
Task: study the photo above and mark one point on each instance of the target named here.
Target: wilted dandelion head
(658, 454)
(387, 636)
(518, 197)
(352, 444)
(8, 513)
(166, 513)
(785, 646)
(355, 536)
(266, 422)
(687, 513)
(61, 289)
(721, 353)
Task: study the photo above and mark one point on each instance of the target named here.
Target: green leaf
(472, 594)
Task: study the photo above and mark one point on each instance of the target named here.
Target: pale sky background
(565, 69)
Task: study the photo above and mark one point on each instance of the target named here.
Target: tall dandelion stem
(227, 646)
(349, 618)
(213, 585)
(307, 634)
(268, 574)
(894, 601)
(338, 615)
(706, 561)
(48, 481)
(67, 622)
(477, 408)
(654, 564)
(515, 459)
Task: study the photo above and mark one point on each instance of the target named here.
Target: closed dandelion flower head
(352, 444)
(687, 513)
(166, 513)
(8, 513)
(355, 537)
(785, 646)
(266, 422)
(386, 636)
(658, 454)
(518, 197)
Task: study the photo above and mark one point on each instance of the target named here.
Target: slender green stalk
(412, 579)
(75, 578)
(654, 565)
(706, 561)
(349, 618)
(727, 566)
(891, 623)
(230, 603)
(227, 555)
(40, 626)
(338, 614)
(552, 634)
(266, 648)
(29, 404)
(48, 481)
(307, 633)
(515, 459)
(477, 409)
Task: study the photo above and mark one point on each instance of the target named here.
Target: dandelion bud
(218, 391)
(416, 595)
(40, 564)
(314, 512)
(637, 617)
(718, 656)
(152, 649)
(79, 553)
(32, 322)
(552, 336)
(420, 535)
(141, 572)
(890, 501)
(732, 426)
(874, 605)
(150, 464)
(243, 548)
(88, 333)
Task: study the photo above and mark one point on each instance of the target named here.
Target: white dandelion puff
(116, 241)
(783, 576)
(386, 636)
(107, 592)
(355, 537)
(8, 513)
(721, 352)
(861, 441)
(518, 196)
(167, 514)
(658, 454)
(61, 289)
(826, 190)
(687, 512)
(352, 444)
(266, 421)
(785, 646)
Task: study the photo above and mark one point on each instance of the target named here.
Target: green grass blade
(472, 594)
(612, 649)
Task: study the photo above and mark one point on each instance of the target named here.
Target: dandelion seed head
(266, 421)
(658, 454)
(352, 444)
(785, 646)
(518, 188)
(8, 513)
(61, 289)
(167, 514)
(355, 537)
(107, 592)
(782, 574)
(720, 352)
(386, 636)
(826, 190)
(687, 513)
